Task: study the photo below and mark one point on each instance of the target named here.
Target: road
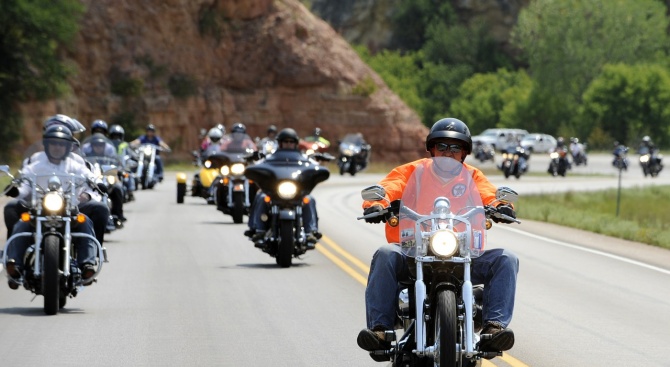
(184, 287)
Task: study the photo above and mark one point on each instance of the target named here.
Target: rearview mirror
(506, 195)
(373, 193)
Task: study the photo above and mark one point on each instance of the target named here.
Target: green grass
(643, 214)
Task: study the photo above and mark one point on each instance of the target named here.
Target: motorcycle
(50, 263)
(439, 309)
(620, 161)
(558, 164)
(354, 154)
(650, 161)
(484, 152)
(209, 164)
(146, 165)
(578, 152)
(232, 191)
(514, 162)
(286, 177)
(106, 169)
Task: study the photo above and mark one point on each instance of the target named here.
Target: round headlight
(287, 190)
(111, 179)
(553, 155)
(208, 163)
(53, 201)
(147, 150)
(644, 158)
(237, 169)
(444, 243)
(225, 170)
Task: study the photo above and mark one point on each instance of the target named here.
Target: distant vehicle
(539, 143)
(500, 139)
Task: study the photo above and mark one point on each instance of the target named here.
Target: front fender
(181, 178)
(287, 214)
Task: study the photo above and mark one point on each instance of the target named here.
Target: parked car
(500, 139)
(539, 143)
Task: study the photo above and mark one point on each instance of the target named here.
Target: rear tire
(445, 329)
(51, 275)
(181, 192)
(285, 250)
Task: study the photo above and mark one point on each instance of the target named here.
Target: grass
(643, 215)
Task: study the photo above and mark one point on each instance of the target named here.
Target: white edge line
(586, 249)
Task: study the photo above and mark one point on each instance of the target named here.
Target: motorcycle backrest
(373, 193)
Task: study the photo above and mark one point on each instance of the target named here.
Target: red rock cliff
(254, 61)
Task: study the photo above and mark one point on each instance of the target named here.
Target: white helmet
(215, 134)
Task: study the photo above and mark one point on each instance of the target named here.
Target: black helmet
(99, 126)
(450, 128)
(272, 129)
(116, 131)
(57, 132)
(238, 128)
(286, 134)
(150, 127)
(64, 120)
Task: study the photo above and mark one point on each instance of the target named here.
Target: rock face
(369, 22)
(184, 65)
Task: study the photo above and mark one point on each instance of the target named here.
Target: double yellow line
(359, 271)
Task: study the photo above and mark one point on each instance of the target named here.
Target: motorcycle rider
(98, 146)
(96, 210)
(288, 139)
(214, 136)
(496, 268)
(150, 137)
(238, 141)
(117, 135)
(619, 154)
(270, 141)
(58, 142)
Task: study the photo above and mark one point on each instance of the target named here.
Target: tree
(568, 42)
(630, 101)
(31, 35)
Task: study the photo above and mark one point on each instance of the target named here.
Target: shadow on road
(265, 266)
(37, 311)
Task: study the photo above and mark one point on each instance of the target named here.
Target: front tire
(285, 250)
(181, 192)
(238, 207)
(445, 329)
(51, 275)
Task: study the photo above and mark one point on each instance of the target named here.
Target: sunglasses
(453, 148)
(289, 141)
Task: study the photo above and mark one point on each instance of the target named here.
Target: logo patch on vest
(458, 190)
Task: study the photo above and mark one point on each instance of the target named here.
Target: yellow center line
(363, 280)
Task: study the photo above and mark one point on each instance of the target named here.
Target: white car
(538, 143)
(500, 139)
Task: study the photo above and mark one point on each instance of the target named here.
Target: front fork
(277, 214)
(231, 189)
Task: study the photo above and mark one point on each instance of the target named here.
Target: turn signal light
(25, 217)
(225, 181)
(81, 218)
(266, 199)
(305, 200)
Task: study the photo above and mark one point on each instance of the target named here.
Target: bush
(127, 87)
(182, 85)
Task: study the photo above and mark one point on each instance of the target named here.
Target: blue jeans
(86, 249)
(259, 207)
(496, 269)
(159, 166)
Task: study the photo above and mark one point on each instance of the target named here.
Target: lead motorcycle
(286, 177)
(441, 232)
(50, 263)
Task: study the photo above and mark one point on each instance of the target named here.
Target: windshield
(441, 194)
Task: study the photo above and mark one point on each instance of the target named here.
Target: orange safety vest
(394, 183)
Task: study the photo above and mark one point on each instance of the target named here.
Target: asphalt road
(184, 287)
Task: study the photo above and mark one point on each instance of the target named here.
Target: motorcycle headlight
(287, 190)
(237, 169)
(504, 156)
(444, 243)
(208, 163)
(553, 155)
(348, 152)
(53, 201)
(225, 170)
(147, 150)
(644, 158)
(111, 180)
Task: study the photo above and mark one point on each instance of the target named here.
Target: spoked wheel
(51, 275)
(445, 330)
(285, 250)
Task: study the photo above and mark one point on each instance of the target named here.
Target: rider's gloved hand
(506, 210)
(374, 209)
